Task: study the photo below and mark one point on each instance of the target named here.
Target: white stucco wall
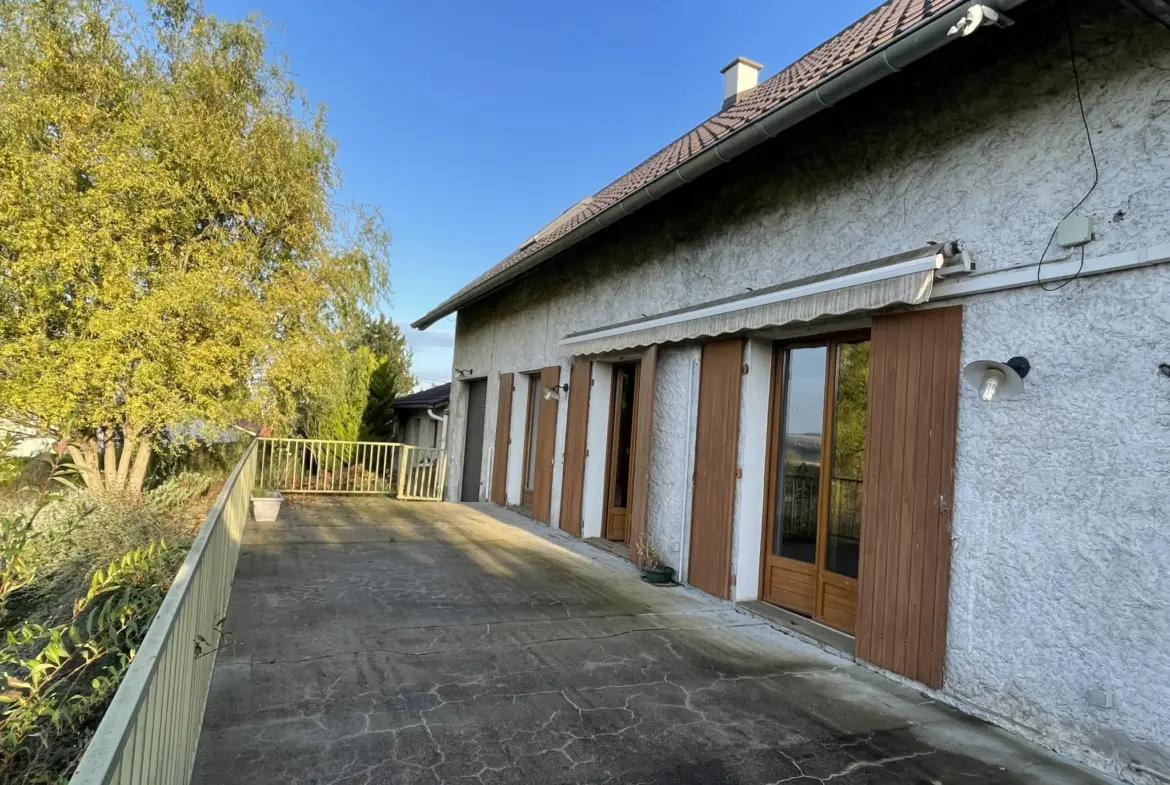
(755, 396)
(1060, 581)
(1062, 543)
(554, 513)
(519, 425)
(596, 428)
(676, 405)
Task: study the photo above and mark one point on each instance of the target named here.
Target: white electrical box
(1074, 230)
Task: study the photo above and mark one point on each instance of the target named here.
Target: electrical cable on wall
(1072, 54)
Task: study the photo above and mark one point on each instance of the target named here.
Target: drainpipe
(914, 44)
(443, 433)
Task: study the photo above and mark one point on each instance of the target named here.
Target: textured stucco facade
(676, 400)
(1061, 557)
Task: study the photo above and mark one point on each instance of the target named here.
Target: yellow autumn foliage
(170, 250)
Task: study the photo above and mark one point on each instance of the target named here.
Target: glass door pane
(624, 400)
(799, 479)
(848, 457)
(534, 396)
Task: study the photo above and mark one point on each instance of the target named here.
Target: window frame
(778, 398)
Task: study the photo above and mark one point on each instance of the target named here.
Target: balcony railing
(321, 466)
(801, 502)
(150, 731)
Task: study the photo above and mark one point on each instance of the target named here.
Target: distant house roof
(425, 399)
(876, 31)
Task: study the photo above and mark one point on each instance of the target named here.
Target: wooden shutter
(546, 441)
(716, 465)
(909, 485)
(573, 479)
(643, 434)
(503, 438)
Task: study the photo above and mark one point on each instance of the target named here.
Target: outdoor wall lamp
(554, 393)
(463, 373)
(995, 380)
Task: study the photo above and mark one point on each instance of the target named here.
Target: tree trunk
(85, 458)
(105, 471)
(138, 469)
(129, 438)
(109, 454)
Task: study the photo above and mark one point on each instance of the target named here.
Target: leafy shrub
(69, 631)
(58, 679)
(175, 455)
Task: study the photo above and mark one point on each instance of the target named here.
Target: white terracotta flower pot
(265, 509)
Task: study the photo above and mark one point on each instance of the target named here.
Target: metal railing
(801, 501)
(323, 466)
(150, 732)
(422, 473)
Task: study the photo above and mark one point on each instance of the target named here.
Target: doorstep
(801, 625)
(616, 548)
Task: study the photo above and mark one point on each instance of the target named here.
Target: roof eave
(912, 45)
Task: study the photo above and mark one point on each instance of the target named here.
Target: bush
(59, 679)
(70, 631)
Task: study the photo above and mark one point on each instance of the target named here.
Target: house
(778, 349)
(421, 418)
(25, 441)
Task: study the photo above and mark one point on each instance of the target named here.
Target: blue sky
(472, 124)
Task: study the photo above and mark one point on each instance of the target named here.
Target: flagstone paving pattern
(375, 641)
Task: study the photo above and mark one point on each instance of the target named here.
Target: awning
(906, 278)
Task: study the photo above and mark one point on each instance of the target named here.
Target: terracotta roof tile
(873, 30)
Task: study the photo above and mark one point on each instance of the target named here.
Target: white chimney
(739, 76)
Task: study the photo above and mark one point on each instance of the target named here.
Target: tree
(386, 340)
(169, 248)
(378, 420)
(336, 414)
(391, 379)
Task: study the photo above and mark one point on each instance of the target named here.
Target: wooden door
(908, 498)
(573, 479)
(531, 425)
(816, 462)
(546, 437)
(473, 441)
(623, 413)
(503, 439)
(716, 466)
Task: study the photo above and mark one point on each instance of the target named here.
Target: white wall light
(554, 393)
(977, 16)
(995, 380)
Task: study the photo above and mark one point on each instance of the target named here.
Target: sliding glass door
(815, 477)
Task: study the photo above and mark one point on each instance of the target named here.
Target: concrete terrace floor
(374, 641)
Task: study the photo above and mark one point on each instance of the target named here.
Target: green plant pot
(658, 575)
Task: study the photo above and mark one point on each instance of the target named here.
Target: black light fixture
(995, 380)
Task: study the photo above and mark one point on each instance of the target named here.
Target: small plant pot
(659, 575)
(266, 508)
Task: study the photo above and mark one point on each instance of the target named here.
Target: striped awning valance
(903, 279)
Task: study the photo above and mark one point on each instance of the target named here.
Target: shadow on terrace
(372, 640)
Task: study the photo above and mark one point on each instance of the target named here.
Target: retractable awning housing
(903, 279)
